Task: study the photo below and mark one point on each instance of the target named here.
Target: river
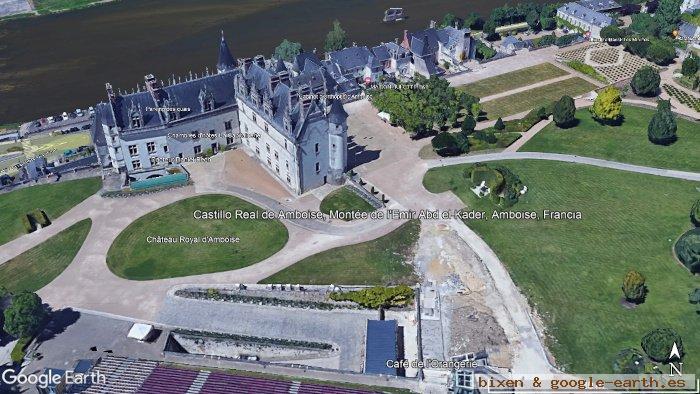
(60, 62)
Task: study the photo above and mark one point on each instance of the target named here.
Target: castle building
(288, 123)
(145, 131)
(584, 18)
(282, 115)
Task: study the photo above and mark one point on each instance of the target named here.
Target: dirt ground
(243, 171)
(466, 296)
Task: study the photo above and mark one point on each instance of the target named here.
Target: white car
(79, 112)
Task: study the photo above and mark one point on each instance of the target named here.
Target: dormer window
(208, 105)
(135, 120)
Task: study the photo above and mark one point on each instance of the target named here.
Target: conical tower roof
(226, 61)
(337, 113)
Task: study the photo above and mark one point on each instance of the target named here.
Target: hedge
(688, 250)
(445, 144)
(28, 224)
(377, 297)
(40, 217)
(256, 340)
(18, 353)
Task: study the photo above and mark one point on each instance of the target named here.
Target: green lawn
(132, 256)
(37, 267)
(504, 140)
(53, 145)
(345, 200)
(572, 271)
(537, 97)
(54, 198)
(513, 80)
(626, 143)
(382, 261)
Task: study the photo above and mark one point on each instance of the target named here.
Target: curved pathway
(691, 176)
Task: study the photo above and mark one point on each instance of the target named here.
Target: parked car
(91, 111)
(79, 112)
(74, 129)
(51, 119)
(86, 127)
(37, 124)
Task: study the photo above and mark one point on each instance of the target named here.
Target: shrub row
(586, 69)
(255, 340)
(215, 295)
(34, 218)
(378, 297)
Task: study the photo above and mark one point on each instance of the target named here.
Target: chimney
(260, 61)
(405, 43)
(110, 92)
(284, 78)
(293, 99)
(274, 80)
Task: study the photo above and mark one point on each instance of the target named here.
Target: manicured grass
(131, 256)
(37, 267)
(626, 143)
(572, 270)
(18, 352)
(55, 144)
(54, 199)
(513, 80)
(504, 140)
(383, 261)
(345, 200)
(536, 97)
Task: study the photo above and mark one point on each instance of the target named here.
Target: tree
(657, 344)
(25, 315)
(490, 30)
(688, 250)
(629, 361)
(468, 124)
(547, 23)
(499, 124)
(450, 20)
(646, 81)
(564, 112)
(690, 66)
(668, 15)
(533, 20)
(445, 144)
(638, 46)
(607, 107)
(612, 34)
(644, 24)
(660, 52)
(694, 296)
(336, 39)
(633, 286)
(662, 125)
(695, 214)
(287, 50)
(474, 21)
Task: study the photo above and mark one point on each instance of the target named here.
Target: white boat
(394, 14)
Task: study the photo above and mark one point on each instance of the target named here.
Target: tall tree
(287, 50)
(25, 315)
(633, 286)
(690, 66)
(646, 81)
(451, 20)
(662, 126)
(607, 107)
(499, 124)
(668, 15)
(336, 39)
(468, 124)
(533, 20)
(564, 112)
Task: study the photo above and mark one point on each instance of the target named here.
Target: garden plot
(611, 61)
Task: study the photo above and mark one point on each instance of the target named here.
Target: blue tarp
(380, 346)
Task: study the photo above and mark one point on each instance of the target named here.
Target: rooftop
(588, 15)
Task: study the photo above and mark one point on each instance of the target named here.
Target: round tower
(337, 142)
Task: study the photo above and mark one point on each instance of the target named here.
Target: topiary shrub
(28, 224)
(564, 112)
(657, 344)
(634, 288)
(662, 125)
(40, 217)
(499, 124)
(695, 214)
(646, 81)
(688, 250)
(629, 361)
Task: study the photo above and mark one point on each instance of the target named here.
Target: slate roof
(381, 52)
(512, 40)
(689, 31)
(305, 60)
(182, 95)
(226, 60)
(588, 15)
(350, 58)
(599, 5)
(380, 346)
(337, 113)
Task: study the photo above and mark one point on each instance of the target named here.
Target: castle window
(255, 118)
(277, 156)
(257, 150)
(212, 134)
(267, 146)
(154, 161)
(285, 144)
(246, 128)
(266, 130)
(133, 150)
(317, 148)
(229, 140)
(151, 147)
(195, 135)
(289, 180)
(135, 120)
(269, 162)
(287, 164)
(165, 148)
(277, 168)
(227, 125)
(208, 105)
(197, 149)
(318, 167)
(136, 164)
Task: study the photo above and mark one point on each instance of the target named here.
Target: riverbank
(45, 7)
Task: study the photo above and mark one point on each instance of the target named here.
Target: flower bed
(254, 340)
(216, 295)
(685, 98)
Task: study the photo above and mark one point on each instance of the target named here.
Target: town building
(690, 5)
(691, 33)
(434, 47)
(586, 19)
(141, 133)
(290, 125)
(600, 5)
(511, 44)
